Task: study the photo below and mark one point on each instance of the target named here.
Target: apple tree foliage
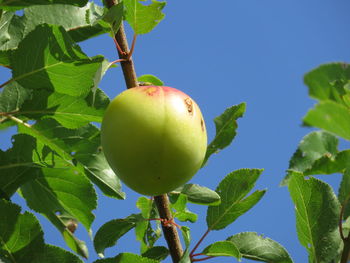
(55, 163)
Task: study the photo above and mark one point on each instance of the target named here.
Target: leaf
(256, 247)
(317, 215)
(85, 144)
(312, 147)
(114, 16)
(232, 189)
(19, 164)
(198, 194)
(330, 116)
(71, 112)
(143, 226)
(143, 18)
(156, 253)
(226, 126)
(182, 213)
(327, 82)
(47, 58)
(83, 22)
(19, 4)
(222, 248)
(12, 97)
(150, 80)
(127, 258)
(110, 232)
(61, 190)
(186, 235)
(21, 239)
(344, 193)
(11, 30)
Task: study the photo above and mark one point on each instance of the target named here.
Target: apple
(154, 138)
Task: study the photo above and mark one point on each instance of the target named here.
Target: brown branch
(169, 230)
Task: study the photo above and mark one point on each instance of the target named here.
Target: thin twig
(199, 242)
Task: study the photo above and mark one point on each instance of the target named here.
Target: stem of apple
(170, 232)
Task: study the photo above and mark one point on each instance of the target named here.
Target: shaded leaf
(317, 215)
(110, 232)
(256, 247)
(198, 194)
(12, 97)
(127, 258)
(143, 226)
(157, 253)
(150, 80)
(19, 164)
(22, 239)
(232, 190)
(143, 18)
(114, 16)
(222, 248)
(226, 126)
(330, 116)
(47, 58)
(186, 235)
(344, 193)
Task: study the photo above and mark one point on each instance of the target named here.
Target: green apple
(154, 138)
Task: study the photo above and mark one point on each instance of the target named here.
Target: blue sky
(223, 53)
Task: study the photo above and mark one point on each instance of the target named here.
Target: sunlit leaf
(19, 4)
(198, 194)
(226, 126)
(234, 203)
(143, 18)
(256, 247)
(150, 80)
(222, 248)
(317, 216)
(127, 258)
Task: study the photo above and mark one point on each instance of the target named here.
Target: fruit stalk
(170, 232)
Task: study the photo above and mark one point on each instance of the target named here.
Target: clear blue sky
(223, 53)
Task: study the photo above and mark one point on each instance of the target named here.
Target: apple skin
(154, 138)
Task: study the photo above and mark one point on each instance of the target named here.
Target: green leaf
(19, 164)
(317, 215)
(328, 81)
(256, 247)
(47, 58)
(71, 112)
(85, 144)
(186, 235)
(226, 126)
(114, 16)
(19, 4)
(330, 116)
(150, 80)
(344, 193)
(21, 239)
(232, 190)
(312, 147)
(222, 248)
(143, 226)
(83, 22)
(157, 253)
(61, 190)
(127, 258)
(12, 97)
(182, 213)
(5, 58)
(143, 18)
(11, 30)
(198, 194)
(110, 232)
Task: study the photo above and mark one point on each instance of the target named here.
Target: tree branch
(170, 232)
